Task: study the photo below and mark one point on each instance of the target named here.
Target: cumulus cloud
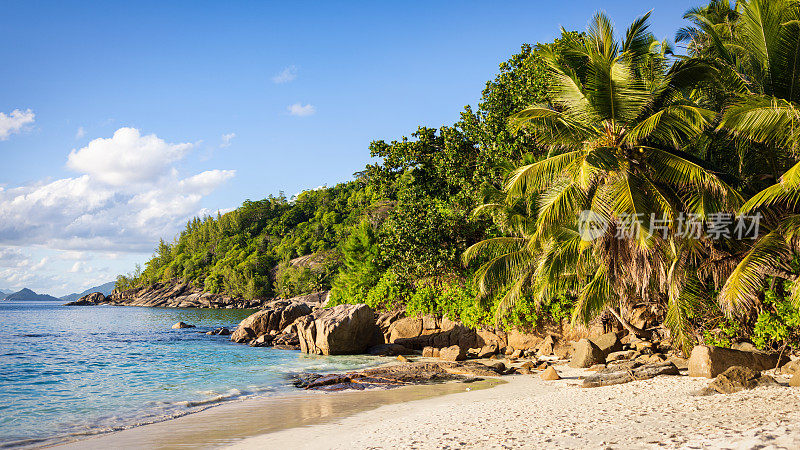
(286, 75)
(298, 109)
(15, 122)
(226, 140)
(127, 157)
(128, 195)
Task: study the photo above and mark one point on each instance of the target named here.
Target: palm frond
(740, 292)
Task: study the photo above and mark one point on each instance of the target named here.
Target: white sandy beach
(530, 413)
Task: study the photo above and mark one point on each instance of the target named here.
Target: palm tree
(765, 114)
(614, 131)
(760, 53)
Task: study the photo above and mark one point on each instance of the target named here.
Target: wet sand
(231, 423)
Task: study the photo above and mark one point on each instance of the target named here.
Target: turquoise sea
(68, 372)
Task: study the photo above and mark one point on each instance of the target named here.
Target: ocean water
(68, 372)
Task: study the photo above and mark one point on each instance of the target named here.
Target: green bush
(390, 292)
(778, 324)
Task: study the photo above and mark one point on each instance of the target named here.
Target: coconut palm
(764, 51)
(614, 131)
(766, 115)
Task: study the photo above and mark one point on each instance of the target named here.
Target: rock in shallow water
(275, 317)
(180, 325)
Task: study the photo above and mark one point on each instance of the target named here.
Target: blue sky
(133, 116)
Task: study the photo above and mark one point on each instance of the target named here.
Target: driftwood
(644, 372)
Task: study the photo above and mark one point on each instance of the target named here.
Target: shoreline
(526, 412)
(519, 411)
(229, 423)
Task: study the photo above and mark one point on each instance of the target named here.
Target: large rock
(405, 328)
(738, 378)
(341, 330)
(608, 343)
(492, 337)
(709, 361)
(791, 367)
(547, 346)
(276, 317)
(523, 341)
(453, 353)
(180, 325)
(587, 354)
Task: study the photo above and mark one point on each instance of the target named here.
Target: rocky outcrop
(170, 295)
(340, 330)
(181, 295)
(709, 361)
(275, 317)
(95, 298)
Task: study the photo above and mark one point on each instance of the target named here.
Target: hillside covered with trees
(686, 162)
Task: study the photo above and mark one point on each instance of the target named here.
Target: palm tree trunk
(638, 332)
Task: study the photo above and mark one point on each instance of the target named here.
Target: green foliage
(778, 323)
(236, 253)
(389, 293)
(458, 301)
(361, 270)
(727, 331)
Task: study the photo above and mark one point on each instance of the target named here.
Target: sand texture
(530, 413)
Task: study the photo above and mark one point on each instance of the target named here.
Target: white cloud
(226, 140)
(127, 157)
(128, 196)
(298, 109)
(14, 122)
(80, 133)
(80, 267)
(286, 75)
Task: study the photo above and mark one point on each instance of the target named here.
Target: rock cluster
(171, 295)
(276, 317)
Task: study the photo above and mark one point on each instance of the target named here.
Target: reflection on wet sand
(228, 423)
